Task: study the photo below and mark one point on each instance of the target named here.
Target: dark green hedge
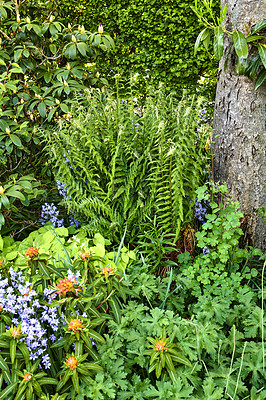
(154, 35)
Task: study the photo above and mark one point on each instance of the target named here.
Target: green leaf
(259, 26)
(116, 309)
(15, 139)
(82, 48)
(262, 53)
(253, 67)
(48, 381)
(17, 54)
(55, 271)
(42, 109)
(1, 245)
(51, 113)
(52, 48)
(197, 43)
(241, 66)
(8, 390)
(96, 336)
(64, 107)
(3, 365)
(15, 193)
(170, 367)
(218, 43)
(260, 79)
(240, 44)
(253, 38)
(6, 204)
(72, 51)
(13, 346)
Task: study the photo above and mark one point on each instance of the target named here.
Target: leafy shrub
(123, 164)
(43, 63)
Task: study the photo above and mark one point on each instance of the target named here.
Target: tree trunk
(240, 122)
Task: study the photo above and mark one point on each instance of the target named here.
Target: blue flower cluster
(51, 213)
(62, 189)
(200, 211)
(35, 320)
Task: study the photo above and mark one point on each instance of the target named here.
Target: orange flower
(32, 252)
(85, 256)
(66, 285)
(107, 271)
(160, 346)
(27, 377)
(1, 262)
(75, 325)
(72, 362)
(15, 332)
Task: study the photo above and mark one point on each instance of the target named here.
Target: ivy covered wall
(154, 37)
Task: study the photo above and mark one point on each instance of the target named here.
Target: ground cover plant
(88, 323)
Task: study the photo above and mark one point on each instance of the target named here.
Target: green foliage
(223, 267)
(256, 67)
(23, 189)
(43, 63)
(81, 308)
(124, 163)
(154, 39)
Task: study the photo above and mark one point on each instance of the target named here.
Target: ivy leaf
(240, 44)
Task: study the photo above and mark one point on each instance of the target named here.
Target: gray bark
(240, 122)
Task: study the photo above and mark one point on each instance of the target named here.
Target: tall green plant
(122, 163)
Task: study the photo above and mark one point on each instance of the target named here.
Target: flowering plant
(163, 354)
(52, 315)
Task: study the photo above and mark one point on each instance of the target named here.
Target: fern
(125, 166)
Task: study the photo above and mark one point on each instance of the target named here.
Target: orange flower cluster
(65, 285)
(72, 362)
(160, 346)
(85, 256)
(107, 271)
(27, 377)
(32, 252)
(15, 332)
(75, 325)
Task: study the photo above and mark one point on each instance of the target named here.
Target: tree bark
(240, 126)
